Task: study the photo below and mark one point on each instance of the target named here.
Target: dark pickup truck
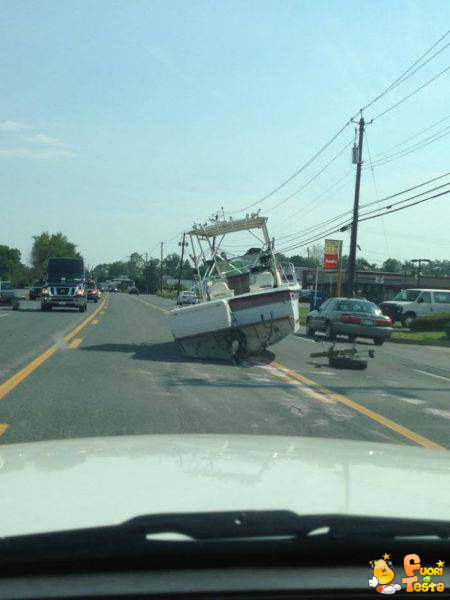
(65, 286)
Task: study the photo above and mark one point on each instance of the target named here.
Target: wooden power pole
(161, 268)
(354, 231)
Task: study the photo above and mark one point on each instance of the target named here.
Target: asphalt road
(116, 371)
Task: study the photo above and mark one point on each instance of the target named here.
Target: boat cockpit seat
(219, 290)
(262, 281)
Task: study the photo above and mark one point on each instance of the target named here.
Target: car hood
(58, 485)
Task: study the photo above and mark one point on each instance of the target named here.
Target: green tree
(316, 255)
(171, 264)
(364, 265)
(9, 262)
(101, 272)
(48, 245)
(299, 261)
(392, 265)
(188, 271)
(150, 281)
(135, 268)
(282, 258)
(117, 268)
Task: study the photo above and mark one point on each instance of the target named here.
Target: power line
(404, 76)
(343, 226)
(408, 73)
(411, 94)
(300, 170)
(411, 189)
(340, 228)
(375, 187)
(404, 207)
(411, 137)
(415, 148)
(390, 197)
(312, 178)
(439, 187)
(318, 197)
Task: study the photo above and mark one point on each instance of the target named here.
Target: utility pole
(183, 244)
(146, 272)
(354, 232)
(161, 268)
(420, 261)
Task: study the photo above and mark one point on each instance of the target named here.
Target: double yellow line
(14, 381)
(327, 396)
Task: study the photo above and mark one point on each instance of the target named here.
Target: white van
(409, 304)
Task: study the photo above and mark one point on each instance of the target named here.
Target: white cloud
(47, 140)
(52, 154)
(35, 146)
(13, 126)
(40, 138)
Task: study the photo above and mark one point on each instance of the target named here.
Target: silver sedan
(351, 317)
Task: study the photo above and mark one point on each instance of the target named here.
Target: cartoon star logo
(440, 563)
(383, 574)
(386, 556)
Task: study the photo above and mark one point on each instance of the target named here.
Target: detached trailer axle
(350, 358)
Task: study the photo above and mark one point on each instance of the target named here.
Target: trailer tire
(346, 362)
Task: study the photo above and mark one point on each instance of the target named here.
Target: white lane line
(319, 372)
(299, 337)
(4, 315)
(437, 412)
(432, 375)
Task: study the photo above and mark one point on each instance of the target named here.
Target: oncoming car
(351, 317)
(185, 298)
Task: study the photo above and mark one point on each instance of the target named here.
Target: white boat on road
(248, 302)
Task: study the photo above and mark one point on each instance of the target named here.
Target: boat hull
(257, 321)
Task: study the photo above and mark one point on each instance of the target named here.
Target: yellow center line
(330, 397)
(3, 428)
(75, 343)
(14, 381)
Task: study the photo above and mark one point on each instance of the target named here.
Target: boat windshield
(241, 265)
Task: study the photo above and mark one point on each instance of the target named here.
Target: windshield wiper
(210, 529)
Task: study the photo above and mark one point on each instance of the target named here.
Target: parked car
(412, 303)
(36, 290)
(8, 296)
(351, 317)
(134, 291)
(186, 298)
(93, 294)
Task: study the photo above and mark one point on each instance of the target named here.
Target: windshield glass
(407, 295)
(63, 279)
(359, 306)
(231, 207)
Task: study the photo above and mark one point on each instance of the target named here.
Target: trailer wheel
(346, 362)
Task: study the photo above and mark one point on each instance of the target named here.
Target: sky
(123, 122)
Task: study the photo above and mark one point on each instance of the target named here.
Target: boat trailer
(348, 358)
